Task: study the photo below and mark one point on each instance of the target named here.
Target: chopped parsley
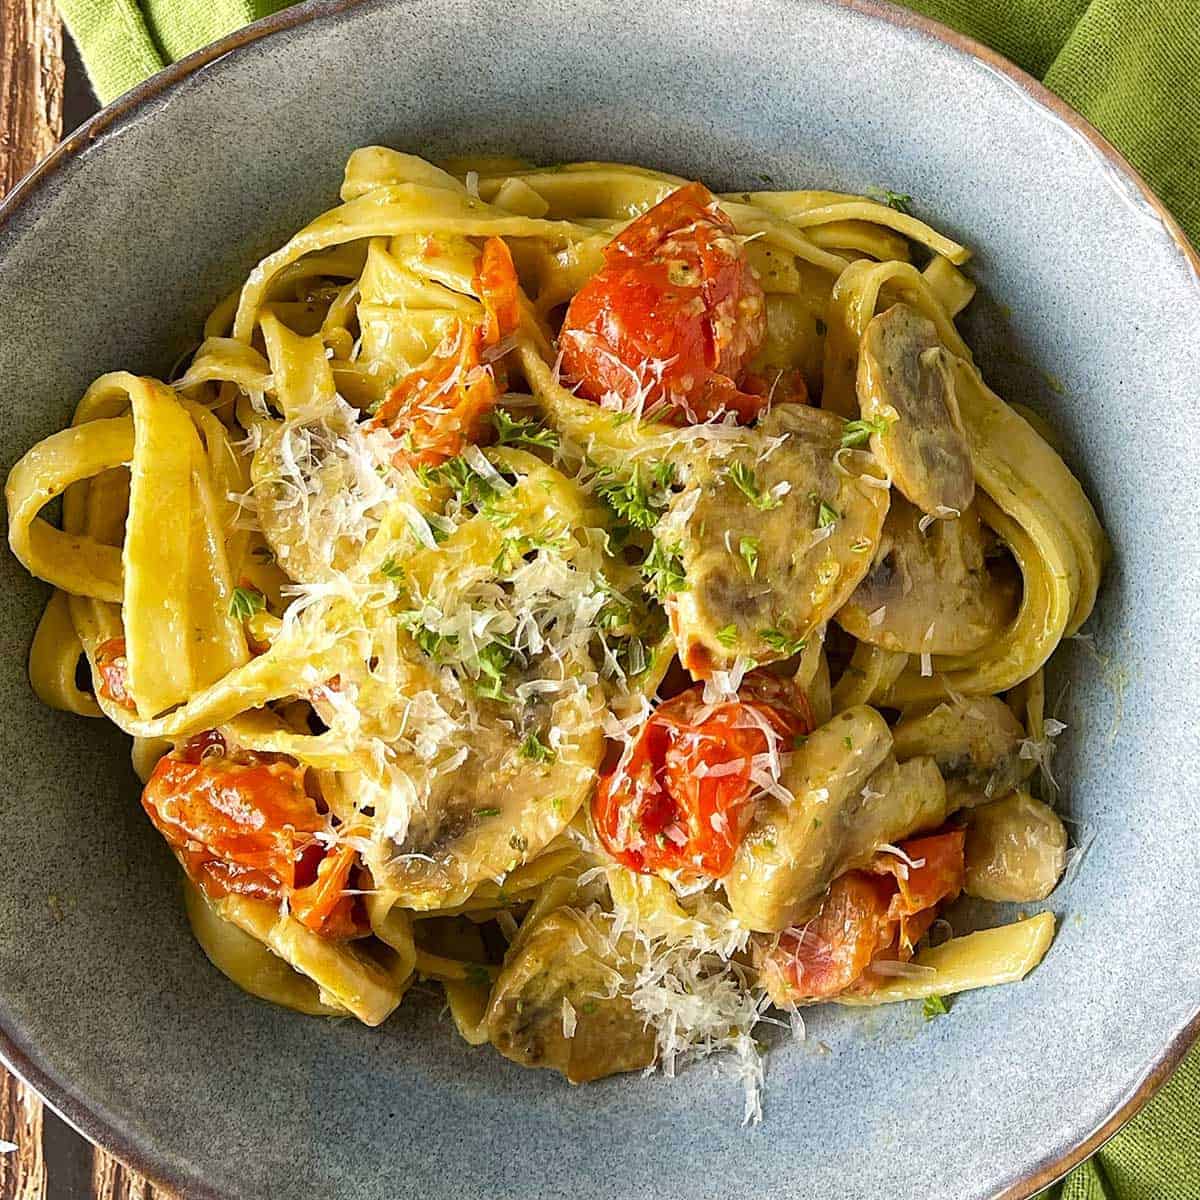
(827, 515)
(630, 498)
(858, 433)
(781, 642)
(513, 549)
(632, 657)
(934, 1006)
(245, 602)
(848, 742)
(860, 545)
(467, 483)
(391, 569)
(663, 570)
(748, 549)
(534, 749)
(900, 201)
(517, 431)
(727, 635)
(494, 660)
(663, 473)
(746, 481)
(429, 640)
(487, 812)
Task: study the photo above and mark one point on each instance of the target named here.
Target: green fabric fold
(1132, 67)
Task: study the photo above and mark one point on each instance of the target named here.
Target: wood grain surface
(41, 1158)
(31, 85)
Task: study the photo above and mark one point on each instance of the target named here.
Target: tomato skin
(247, 826)
(828, 954)
(665, 808)
(113, 669)
(920, 888)
(253, 815)
(440, 406)
(672, 317)
(777, 386)
(878, 913)
(322, 905)
(499, 289)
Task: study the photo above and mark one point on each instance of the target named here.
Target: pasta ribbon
(397, 599)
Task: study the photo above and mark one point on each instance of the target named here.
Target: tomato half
(867, 916)
(678, 801)
(245, 825)
(672, 317)
(442, 405)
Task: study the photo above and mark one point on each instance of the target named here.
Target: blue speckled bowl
(111, 255)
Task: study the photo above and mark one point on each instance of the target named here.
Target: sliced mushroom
(559, 1003)
(901, 383)
(791, 850)
(976, 743)
(1016, 850)
(851, 797)
(497, 810)
(773, 538)
(944, 591)
(899, 799)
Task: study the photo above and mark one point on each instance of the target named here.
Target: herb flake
(245, 602)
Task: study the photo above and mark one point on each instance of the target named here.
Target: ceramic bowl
(111, 254)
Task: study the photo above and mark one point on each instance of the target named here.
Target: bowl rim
(62, 1097)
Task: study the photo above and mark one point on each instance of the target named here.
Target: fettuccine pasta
(621, 606)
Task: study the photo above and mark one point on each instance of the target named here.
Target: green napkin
(1132, 67)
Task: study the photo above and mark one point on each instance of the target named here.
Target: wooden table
(41, 1157)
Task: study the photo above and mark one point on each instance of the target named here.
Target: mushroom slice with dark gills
(976, 742)
(905, 393)
(561, 1002)
(522, 774)
(772, 538)
(850, 798)
(946, 590)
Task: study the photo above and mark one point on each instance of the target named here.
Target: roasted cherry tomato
(499, 289)
(934, 874)
(113, 669)
(866, 916)
(323, 905)
(678, 801)
(777, 386)
(246, 825)
(672, 317)
(442, 405)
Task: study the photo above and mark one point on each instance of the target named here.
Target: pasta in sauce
(621, 605)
